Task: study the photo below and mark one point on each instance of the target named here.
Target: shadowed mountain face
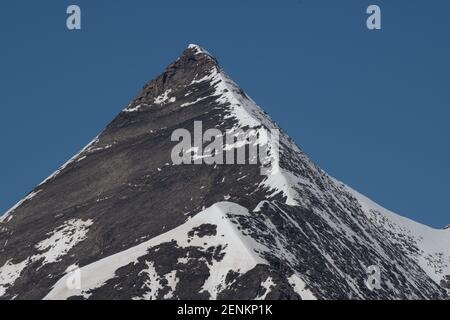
(121, 221)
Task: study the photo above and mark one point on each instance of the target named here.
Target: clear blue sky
(370, 107)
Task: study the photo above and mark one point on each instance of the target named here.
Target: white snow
(268, 284)
(153, 283)
(82, 158)
(134, 109)
(198, 49)
(9, 273)
(240, 253)
(172, 281)
(187, 104)
(183, 260)
(282, 181)
(61, 240)
(242, 107)
(300, 288)
(164, 97)
(208, 77)
(58, 244)
(433, 244)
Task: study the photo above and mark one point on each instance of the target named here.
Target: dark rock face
(161, 234)
(446, 282)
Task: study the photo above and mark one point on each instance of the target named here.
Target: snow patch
(9, 273)
(268, 284)
(187, 104)
(152, 283)
(300, 288)
(164, 98)
(134, 109)
(61, 240)
(172, 281)
(198, 49)
(58, 244)
(240, 253)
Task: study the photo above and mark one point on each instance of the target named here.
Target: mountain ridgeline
(120, 221)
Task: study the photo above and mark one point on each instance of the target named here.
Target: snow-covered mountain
(121, 221)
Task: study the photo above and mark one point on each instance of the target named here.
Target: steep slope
(141, 227)
(428, 247)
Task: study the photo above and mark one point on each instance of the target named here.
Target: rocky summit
(121, 221)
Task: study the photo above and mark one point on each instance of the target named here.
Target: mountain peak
(194, 62)
(198, 53)
(122, 209)
(198, 49)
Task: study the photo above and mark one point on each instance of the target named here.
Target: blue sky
(370, 107)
